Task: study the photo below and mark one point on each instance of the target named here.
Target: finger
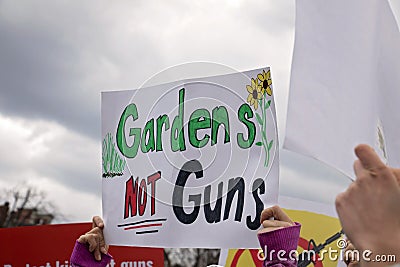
(396, 173)
(347, 259)
(277, 213)
(358, 168)
(100, 237)
(350, 254)
(97, 254)
(376, 168)
(91, 240)
(349, 246)
(104, 249)
(368, 157)
(361, 172)
(339, 204)
(82, 239)
(95, 231)
(97, 221)
(94, 245)
(102, 243)
(354, 264)
(275, 223)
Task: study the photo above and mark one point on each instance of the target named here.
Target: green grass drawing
(113, 164)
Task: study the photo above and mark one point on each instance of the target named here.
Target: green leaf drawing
(258, 144)
(270, 144)
(267, 104)
(259, 119)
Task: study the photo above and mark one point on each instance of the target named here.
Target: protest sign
(190, 163)
(51, 246)
(344, 82)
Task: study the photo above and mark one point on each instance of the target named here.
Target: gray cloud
(56, 57)
(39, 149)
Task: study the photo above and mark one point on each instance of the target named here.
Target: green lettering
(161, 120)
(177, 134)
(128, 151)
(245, 113)
(219, 116)
(200, 119)
(148, 142)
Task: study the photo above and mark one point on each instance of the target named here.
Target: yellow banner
(314, 226)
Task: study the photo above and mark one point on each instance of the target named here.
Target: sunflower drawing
(260, 91)
(265, 79)
(255, 93)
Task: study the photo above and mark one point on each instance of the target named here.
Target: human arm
(90, 249)
(369, 209)
(351, 255)
(278, 238)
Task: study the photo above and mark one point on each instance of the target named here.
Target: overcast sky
(57, 56)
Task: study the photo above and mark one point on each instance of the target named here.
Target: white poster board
(190, 163)
(344, 87)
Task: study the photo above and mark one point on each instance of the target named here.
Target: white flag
(345, 81)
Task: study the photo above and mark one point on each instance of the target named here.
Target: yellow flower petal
(261, 77)
(249, 98)
(249, 89)
(268, 75)
(269, 82)
(259, 95)
(269, 91)
(253, 83)
(259, 89)
(255, 105)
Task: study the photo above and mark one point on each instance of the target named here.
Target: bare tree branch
(28, 205)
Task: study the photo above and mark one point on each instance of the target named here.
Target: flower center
(265, 84)
(255, 94)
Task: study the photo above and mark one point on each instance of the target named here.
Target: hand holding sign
(369, 209)
(279, 219)
(95, 239)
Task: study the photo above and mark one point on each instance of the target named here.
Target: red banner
(51, 246)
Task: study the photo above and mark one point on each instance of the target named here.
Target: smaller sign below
(52, 245)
